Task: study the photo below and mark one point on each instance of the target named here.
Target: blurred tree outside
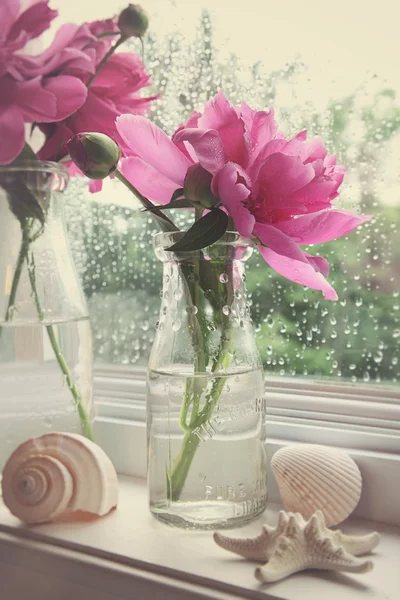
(298, 332)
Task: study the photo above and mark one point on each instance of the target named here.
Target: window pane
(320, 73)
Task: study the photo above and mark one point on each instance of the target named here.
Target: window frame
(362, 420)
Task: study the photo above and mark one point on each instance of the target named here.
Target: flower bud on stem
(97, 156)
(133, 21)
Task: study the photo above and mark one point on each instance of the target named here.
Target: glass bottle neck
(213, 291)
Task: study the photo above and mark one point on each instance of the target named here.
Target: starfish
(295, 544)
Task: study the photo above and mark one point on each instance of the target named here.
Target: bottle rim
(38, 166)
(230, 238)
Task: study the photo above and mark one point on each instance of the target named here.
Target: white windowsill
(128, 554)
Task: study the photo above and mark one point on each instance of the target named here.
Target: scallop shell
(56, 473)
(311, 477)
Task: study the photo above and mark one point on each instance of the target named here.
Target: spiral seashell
(58, 473)
(311, 477)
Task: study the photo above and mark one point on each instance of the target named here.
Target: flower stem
(109, 53)
(84, 417)
(163, 221)
(142, 45)
(105, 58)
(191, 440)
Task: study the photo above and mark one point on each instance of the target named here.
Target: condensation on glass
(299, 333)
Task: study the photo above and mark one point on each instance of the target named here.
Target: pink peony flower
(18, 27)
(75, 50)
(277, 191)
(115, 89)
(26, 95)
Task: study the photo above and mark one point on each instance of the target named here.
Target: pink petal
(271, 147)
(150, 182)
(298, 271)
(12, 130)
(330, 161)
(150, 143)
(69, 61)
(220, 115)
(279, 176)
(95, 185)
(33, 21)
(70, 94)
(247, 115)
(306, 151)
(56, 138)
(104, 25)
(315, 149)
(217, 113)
(264, 128)
(317, 228)
(123, 72)
(98, 113)
(261, 131)
(207, 145)
(229, 187)
(193, 120)
(33, 100)
(63, 38)
(9, 11)
(302, 135)
(317, 194)
(279, 242)
(185, 147)
(319, 263)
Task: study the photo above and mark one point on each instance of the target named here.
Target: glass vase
(206, 412)
(45, 336)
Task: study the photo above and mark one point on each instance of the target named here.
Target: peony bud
(197, 187)
(133, 21)
(95, 154)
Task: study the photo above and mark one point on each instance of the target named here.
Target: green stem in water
(23, 253)
(182, 464)
(85, 421)
(191, 440)
(193, 387)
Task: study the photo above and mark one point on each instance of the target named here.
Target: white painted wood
(42, 571)
(131, 555)
(366, 417)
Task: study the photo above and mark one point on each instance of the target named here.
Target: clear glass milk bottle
(206, 412)
(45, 335)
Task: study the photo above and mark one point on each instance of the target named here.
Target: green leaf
(179, 203)
(24, 201)
(204, 232)
(26, 154)
(166, 226)
(179, 193)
